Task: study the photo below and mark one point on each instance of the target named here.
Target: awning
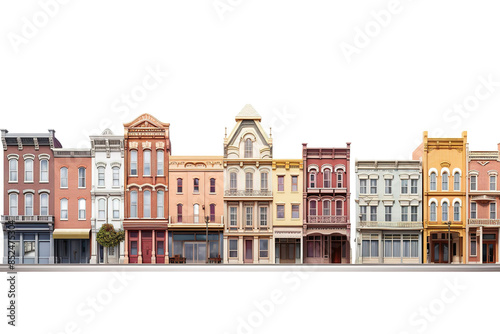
(71, 233)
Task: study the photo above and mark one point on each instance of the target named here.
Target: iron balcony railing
(184, 219)
(248, 193)
(391, 224)
(30, 219)
(488, 222)
(327, 220)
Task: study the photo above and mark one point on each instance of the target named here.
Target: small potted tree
(109, 237)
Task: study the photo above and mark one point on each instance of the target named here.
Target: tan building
(196, 208)
(287, 219)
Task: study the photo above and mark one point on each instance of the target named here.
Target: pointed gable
(248, 112)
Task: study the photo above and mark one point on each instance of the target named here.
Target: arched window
(433, 216)
(133, 204)
(196, 185)
(249, 181)
(44, 170)
(101, 209)
(444, 181)
(339, 210)
(160, 204)
(28, 170)
(456, 211)
(81, 177)
(456, 181)
(312, 180)
(248, 148)
(13, 204)
(179, 186)
(179, 213)
(28, 204)
(100, 177)
(64, 208)
(312, 208)
(233, 181)
(326, 208)
(433, 181)
(116, 208)
(147, 204)
(116, 176)
(340, 179)
(133, 162)
(12, 170)
(196, 213)
(81, 208)
(212, 213)
(327, 178)
(44, 204)
(64, 177)
(147, 162)
(444, 215)
(159, 163)
(212, 186)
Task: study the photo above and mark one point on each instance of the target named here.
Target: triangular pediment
(146, 121)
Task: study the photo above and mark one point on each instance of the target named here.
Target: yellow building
(287, 201)
(444, 166)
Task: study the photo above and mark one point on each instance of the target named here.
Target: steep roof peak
(248, 112)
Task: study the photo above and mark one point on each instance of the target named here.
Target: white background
(283, 57)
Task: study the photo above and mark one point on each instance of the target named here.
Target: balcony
(248, 193)
(195, 220)
(411, 225)
(29, 219)
(484, 222)
(327, 190)
(332, 220)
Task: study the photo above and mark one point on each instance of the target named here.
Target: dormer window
(248, 148)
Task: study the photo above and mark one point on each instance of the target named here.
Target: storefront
(192, 246)
(32, 243)
(72, 245)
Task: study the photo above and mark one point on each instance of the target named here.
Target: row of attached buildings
(245, 206)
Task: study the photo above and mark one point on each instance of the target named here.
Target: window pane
(159, 162)
(147, 162)
(374, 248)
(147, 204)
(160, 204)
(133, 162)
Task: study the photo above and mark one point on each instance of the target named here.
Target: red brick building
(147, 151)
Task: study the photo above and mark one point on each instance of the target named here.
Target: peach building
(196, 209)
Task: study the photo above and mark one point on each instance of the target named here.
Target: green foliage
(109, 237)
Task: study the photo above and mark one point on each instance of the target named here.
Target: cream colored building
(287, 207)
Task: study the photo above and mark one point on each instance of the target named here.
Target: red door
(336, 255)
(248, 251)
(146, 250)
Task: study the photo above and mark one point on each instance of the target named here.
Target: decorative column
(153, 253)
(167, 246)
(256, 249)
(224, 253)
(480, 244)
(240, 249)
(126, 260)
(139, 258)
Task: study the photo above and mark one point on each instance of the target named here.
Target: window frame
(84, 201)
(63, 202)
(26, 170)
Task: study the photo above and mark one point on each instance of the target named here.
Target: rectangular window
(473, 182)
(179, 186)
(362, 211)
(339, 208)
(295, 211)
(473, 245)
(196, 186)
(233, 216)
(264, 247)
(493, 182)
(312, 180)
(263, 216)
(100, 176)
(13, 205)
(327, 178)
(64, 208)
(493, 211)
(280, 210)
(281, 183)
(44, 170)
(28, 170)
(404, 213)
(362, 186)
(233, 183)
(28, 204)
(340, 181)
(147, 162)
(456, 182)
(133, 248)
(249, 181)
(414, 186)
(473, 210)
(249, 216)
(44, 204)
(116, 209)
(263, 181)
(116, 177)
(295, 183)
(373, 186)
(370, 245)
(388, 186)
(133, 162)
(13, 170)
(233, 248)
(414, 213)
(64, 177)
(212, 186)
(388, 213)
(314, 246)
(373, 213)
(101, 214)
(179, 213)
(159, 163)
(147, 204)
(312, 208)
(326, 208)
(81, 208)
(404, 186)
(133, 204)
(212, 213)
